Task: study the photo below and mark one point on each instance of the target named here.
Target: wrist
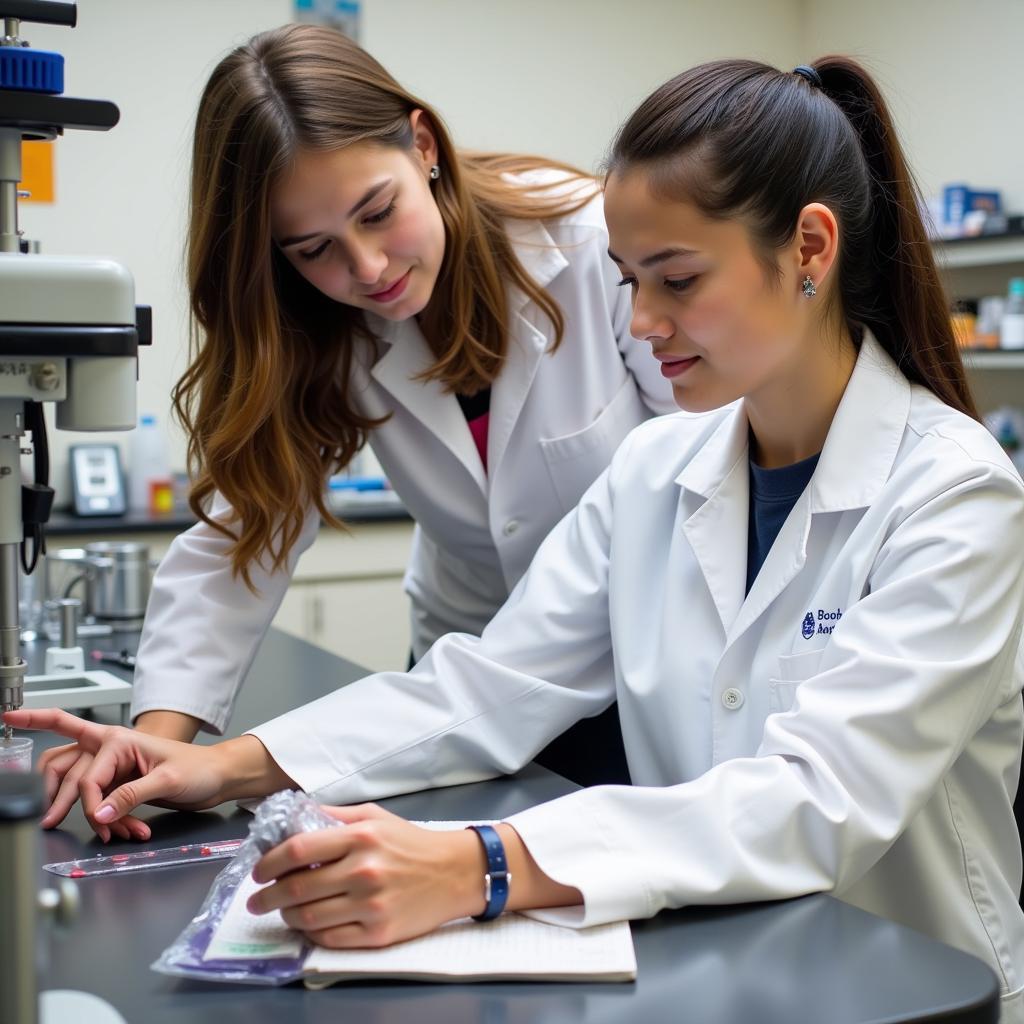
(169, 725)
(467, 865)
(246, 769)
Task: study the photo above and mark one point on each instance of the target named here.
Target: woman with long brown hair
(810, 583)
(355, 279)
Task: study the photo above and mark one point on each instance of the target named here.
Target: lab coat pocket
(576, 460)
(793, 670)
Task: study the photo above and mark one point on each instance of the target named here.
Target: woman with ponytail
(809, 583)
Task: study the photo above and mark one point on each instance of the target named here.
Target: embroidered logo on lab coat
(825, 622)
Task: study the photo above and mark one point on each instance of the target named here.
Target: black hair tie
(812, 76)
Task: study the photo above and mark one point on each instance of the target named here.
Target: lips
(392, 291)
(673, 365)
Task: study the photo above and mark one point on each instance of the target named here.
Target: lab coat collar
(865, 435)
(855, 463)
(406, 354)
(859, 451)
(538, 253)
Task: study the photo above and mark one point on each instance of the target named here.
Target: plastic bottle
(149, 464)
(1011, 331)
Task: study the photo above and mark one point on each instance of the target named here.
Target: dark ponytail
(739, 138)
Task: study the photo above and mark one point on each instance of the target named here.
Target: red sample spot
(120, 858)
(205, 852)
(77, 873)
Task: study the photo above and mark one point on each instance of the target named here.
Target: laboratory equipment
(67, 656)
(69, 334)
(16, 754)
(145, 860)
(97, 482)
(69, 327)
(117, 577)
(21, 904)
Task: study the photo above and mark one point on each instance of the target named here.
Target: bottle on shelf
(150, 483)
(1011, 330)
(1007, 425)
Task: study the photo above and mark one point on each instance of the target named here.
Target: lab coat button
(510, 527)
(732, 699)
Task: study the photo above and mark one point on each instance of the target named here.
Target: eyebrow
(368, 196)
(658, 257)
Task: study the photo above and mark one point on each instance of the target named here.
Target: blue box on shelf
(958, 200)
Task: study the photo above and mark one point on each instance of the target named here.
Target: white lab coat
(555, 421)
(852, 725)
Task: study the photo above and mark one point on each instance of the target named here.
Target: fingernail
(105, 813)
(253, 905)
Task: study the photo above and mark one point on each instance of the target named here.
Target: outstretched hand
(113, 769)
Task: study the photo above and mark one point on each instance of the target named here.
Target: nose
(367, 264)
(649, 323)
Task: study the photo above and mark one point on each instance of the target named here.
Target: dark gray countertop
(63, 524)
(814, 959)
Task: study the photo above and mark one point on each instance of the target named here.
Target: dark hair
(739, 138)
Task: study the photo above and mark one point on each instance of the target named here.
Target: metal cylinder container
(117, 584)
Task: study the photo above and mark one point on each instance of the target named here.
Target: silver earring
(809, 290)
(435, 172)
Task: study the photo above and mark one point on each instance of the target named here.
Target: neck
(791, 415)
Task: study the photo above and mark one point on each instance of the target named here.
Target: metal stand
(21, 803)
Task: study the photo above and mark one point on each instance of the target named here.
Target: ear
(816, 242)
(424, 141)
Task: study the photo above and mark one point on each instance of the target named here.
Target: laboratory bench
(64, 523)
(813, 959)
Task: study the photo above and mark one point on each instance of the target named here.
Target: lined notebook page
(511, 946)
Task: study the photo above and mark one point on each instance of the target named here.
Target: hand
(376, 881)
(125, 768)
(62, 769)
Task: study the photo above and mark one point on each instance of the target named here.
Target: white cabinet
(974, 268)
(346, 594)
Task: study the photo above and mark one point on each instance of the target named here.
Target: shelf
(993, 359)
(979, 252)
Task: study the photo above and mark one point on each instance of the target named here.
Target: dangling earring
(809, 290)
(435, 172)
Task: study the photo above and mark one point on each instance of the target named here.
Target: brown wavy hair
(740, 138)
(265, 399)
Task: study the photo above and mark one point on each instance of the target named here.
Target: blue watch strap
(497, 877)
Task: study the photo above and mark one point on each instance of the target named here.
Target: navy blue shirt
(773, 493)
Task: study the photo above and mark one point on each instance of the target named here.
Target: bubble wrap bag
(279, 816)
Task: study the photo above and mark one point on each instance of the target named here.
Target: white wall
(557, 77)
(548, 76)
(952, 73)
